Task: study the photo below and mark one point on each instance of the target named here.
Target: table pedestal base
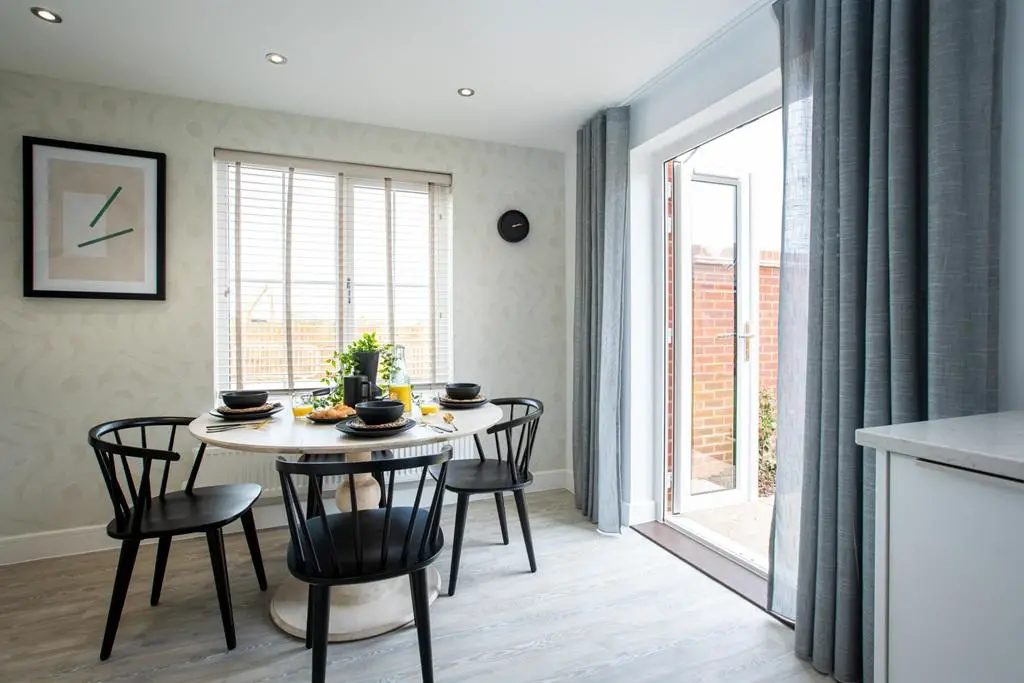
(360, 611)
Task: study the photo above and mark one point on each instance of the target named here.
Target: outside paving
(746, 524)
(742, 529)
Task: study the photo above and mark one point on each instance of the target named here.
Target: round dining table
(357, 611)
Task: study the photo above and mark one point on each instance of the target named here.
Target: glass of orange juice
(428, 404)
(302, 403)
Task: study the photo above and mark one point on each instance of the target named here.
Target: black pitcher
(356, 389)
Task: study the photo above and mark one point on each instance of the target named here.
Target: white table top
(289, 435)
(991, 444)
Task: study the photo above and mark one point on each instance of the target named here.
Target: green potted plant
(766, 427)
(366, 356)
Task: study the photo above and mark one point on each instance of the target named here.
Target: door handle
(746, 337)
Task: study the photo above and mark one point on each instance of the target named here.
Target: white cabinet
(949, 549)
(952, 557)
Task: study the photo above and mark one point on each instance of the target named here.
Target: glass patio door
(713, 343)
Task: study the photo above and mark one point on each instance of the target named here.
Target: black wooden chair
(122, 446)
(363, 545)
(508, 471)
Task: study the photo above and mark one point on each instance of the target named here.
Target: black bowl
(244, 399)
(379, 412)
(462, 391)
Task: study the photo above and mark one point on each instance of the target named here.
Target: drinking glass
(302, 403)
(428, 403)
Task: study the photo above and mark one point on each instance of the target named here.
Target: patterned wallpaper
(67, 365)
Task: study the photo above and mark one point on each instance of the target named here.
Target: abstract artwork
(94, 221)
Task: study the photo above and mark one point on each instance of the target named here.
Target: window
(312, 254)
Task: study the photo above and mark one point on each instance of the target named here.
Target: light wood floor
(600, 609)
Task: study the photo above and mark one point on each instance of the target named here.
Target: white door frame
(648, 195)
(746, 348)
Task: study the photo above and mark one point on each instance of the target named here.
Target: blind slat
(389, 251)
(238, 276)
(288, 343)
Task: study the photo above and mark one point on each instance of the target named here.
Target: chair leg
(123, 577)
(421, 610)
(315, 485)
(524, 521)
(215, 540)
(163, 549)
(249, 525)
(321, 629)
(310, 615)
(461, 510)
(499, 500)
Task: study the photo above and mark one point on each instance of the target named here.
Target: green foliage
(767, 422)
(342, 363)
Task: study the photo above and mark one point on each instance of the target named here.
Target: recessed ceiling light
(46, 15)
(276, 58)
(466, 92)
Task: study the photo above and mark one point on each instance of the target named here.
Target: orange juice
(429, 408)
(300, 411)
(403, 393)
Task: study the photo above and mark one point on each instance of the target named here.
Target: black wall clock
(513, 226)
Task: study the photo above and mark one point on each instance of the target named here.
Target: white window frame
(441, 232)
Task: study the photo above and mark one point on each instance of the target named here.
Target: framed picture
(94, 221)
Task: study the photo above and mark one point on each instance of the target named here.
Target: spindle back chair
(130, 455)
(362, 545)
(507, 471)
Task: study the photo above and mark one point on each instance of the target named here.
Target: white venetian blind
(311, 254)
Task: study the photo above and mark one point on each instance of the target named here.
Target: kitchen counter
(989, 444)
(949, 495)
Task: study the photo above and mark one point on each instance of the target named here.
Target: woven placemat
(478, 399)
(242, 411)
(357, 423)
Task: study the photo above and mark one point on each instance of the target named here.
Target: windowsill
(285, 395)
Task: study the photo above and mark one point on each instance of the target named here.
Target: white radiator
(224, 466)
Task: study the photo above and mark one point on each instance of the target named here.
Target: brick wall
(714, 320)
(768, 335)
(713, 368)
(713, 361)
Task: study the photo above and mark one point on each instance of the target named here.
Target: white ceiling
(540, 67)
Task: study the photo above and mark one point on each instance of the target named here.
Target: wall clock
(94, 221)
(513, 226)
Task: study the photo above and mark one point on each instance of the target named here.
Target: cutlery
(437, 428)
(241, 425)
(450, 420)
(233, 425)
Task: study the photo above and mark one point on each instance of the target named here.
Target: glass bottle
(400, 388)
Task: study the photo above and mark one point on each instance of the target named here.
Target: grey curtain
(891, 229)
(601, 348)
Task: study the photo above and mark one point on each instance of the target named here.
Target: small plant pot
(366, 364)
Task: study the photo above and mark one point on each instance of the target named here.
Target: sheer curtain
(889, 291)
(797, 32)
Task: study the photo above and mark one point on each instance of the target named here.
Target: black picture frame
(159, 274)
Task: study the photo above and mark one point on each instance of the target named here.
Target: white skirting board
(641, 511)
(269, 514)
